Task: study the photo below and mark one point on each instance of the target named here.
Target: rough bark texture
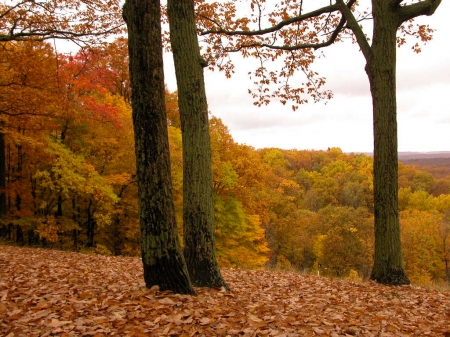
(198, 211)
(381, 69)
(162, 257)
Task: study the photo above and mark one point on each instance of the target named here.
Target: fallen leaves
(55, 293)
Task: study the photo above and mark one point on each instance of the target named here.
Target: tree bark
(198, 209)
(90, 226)
(3, 209)
(381, 69)
(163, 261)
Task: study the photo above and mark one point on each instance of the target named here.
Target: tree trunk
(90, 226)
(3, 208)
(381, 69)
(198, 209)
(163, 261)
(75, 220)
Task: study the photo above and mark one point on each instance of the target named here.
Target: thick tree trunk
(198, 209)
(164, 264)
(381, 69)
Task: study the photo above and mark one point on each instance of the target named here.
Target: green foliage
(346, 237)
(70, 176)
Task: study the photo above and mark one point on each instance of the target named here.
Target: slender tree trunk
(90, 226)
(198, 209)
(3, 208)
(381, 69)
(75, 220)
(20, 240)
(164, 264)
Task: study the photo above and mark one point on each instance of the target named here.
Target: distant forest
(435, 163)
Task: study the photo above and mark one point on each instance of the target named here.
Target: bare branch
(356, 28)
(427, 7)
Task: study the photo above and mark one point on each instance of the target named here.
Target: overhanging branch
(427, 7)
(315, 46)
(53, 34)
(280, 25)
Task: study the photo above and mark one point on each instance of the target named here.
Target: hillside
(437, 167)
(436, 163)
(47, 292)
(423, 155)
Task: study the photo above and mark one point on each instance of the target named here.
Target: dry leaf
(167, 301)
(86, 295)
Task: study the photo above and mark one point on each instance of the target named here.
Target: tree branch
(427, 7)
(315, 46)
(353, 24)
(280, 25)
(41, 35)
(340, 5)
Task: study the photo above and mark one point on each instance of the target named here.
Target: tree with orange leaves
(295, 29)
(80, 21)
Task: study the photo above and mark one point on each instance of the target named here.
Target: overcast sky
(423, 99)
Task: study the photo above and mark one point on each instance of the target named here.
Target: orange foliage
(71, 176)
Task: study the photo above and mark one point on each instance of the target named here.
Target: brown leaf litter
(55, 293)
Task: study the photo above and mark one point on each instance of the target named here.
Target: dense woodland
(71, 183)
(438, 167)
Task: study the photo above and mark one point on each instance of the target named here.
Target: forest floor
(55, 293)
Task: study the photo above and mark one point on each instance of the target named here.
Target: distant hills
(405, 156)
(436, 163)
(422, 155)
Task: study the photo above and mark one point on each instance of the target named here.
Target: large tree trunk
(381, 69)
(162, 257)
(198, 209)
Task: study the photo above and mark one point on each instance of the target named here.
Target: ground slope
(54, 293)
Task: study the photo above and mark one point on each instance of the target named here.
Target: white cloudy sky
(423, 96)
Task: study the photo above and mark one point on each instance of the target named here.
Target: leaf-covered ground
(54, 293)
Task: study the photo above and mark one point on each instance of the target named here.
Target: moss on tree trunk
(162, 257)
(198, 211)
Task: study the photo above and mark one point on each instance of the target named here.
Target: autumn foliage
(70, 178)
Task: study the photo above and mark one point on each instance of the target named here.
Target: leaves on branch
(45, 292)
(84, 22)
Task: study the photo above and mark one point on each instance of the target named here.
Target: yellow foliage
(353, 276)
(102, 250)
(420, 276)
(283, 263)
(48, 229)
